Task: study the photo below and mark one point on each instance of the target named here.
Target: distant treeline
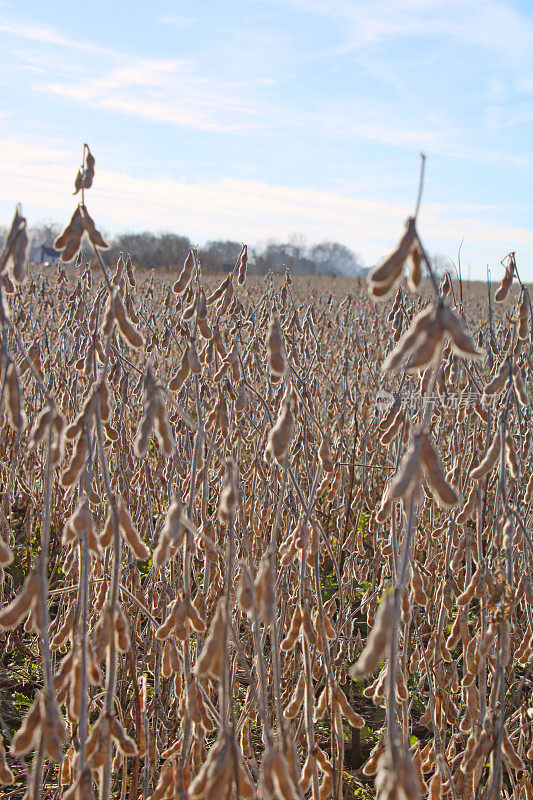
(168, 251)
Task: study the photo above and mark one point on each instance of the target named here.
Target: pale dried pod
(384, 276)
(434, 471)
(12, 614)
(229, 496)
(377, 639)
(185, 275)
(25, 738)
(280, 435)
(16, 415)
(503, 289)
(276, 356)
(490, 458)
(6, 775)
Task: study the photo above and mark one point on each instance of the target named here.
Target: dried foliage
(234, 562)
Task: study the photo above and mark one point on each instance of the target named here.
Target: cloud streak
(185, 93)
(296, 117)
(488, 24)
(175, 21)
(244, 210)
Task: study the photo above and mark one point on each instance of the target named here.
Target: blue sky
(258, 119)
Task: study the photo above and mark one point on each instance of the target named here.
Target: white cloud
(179, 102)
(489, 24)
(189, 93)
(258, 97)
(175, 20)
(47, 36)
(175, 91)
(41, 178)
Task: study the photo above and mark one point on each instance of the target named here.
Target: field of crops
(263, 537)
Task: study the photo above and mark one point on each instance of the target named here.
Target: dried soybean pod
(524, 314)
(64, 630)
(468, 593)
(193, 615)
(414, 277)
(194, 362)
(110, 317)
(128, 331)
(77, 461)
(275, 349)
(18, 253)
(409, 339)
(12, 614)
(129, 271)
(6, 776)
(53, 729)
(503, 289)
(245, 591)
(24, 739)
(243, 262)
(390, 432)
(40, 427)
(511, 457)
(126, 745)
(446, 285)
(355, 720)
(264, 590)
(90, 228)
(131, 535)
(229, 496)
(88, 173)
(280, 435)
(307, 773)
(377, 639)
(185, 275)
(15, 250)
(520, 388)
(418, 587)
(177, 381)
(283, 783)
(69, 241)
(499, 381)
(6, 556)
(510, 751)
(103, 397)
(529, 490)
(409, 471)
(296, 699)
(324, 456)
(210, 659)
(294, 630)
(469, 507)
(121, 631)
(490, 459)
(433, 467)
(17, 417)
(307, 626)
(428, 348)
(387, 273)
(163, 428)
(217, 294)
(462, 341)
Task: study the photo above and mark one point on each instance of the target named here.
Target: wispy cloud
(172, 91)
(244, 210)
(485, 23)
(289, 115)
(171, 96)
(46, 35)
(176, 21)
(188, 93)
